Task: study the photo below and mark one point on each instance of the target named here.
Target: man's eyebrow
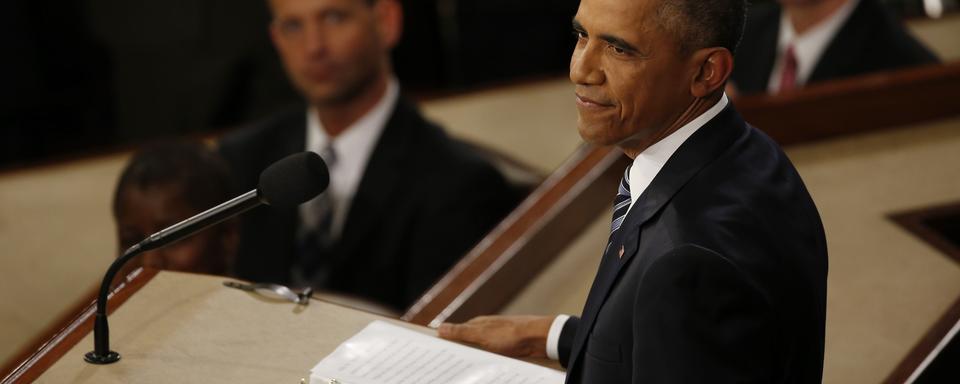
(612, 40)
(577, 26)
(619, 43)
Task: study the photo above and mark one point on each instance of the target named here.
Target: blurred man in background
(405, 201)
(791, 43)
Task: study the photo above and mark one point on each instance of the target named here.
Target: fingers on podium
(460, 332)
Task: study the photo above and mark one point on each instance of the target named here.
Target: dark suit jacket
(871, 40)
(422, 203)
(723, 275)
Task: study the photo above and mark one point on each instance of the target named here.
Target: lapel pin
(620, 255)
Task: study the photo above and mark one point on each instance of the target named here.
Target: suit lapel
(700, 149)
(380, 179)
(760, 76)
(295, 139)
(840, 56)
(283, 223)
(752, 73)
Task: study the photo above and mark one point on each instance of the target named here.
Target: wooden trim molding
(916, 221)
(41, 338)
(530, 237)
(925, 350)
(58, 343)
(857, 104)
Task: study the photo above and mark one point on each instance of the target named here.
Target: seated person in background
(405, 201)
(791, 43)
(165, 184)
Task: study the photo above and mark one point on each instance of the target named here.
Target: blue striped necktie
(316, 238)
(621, 204)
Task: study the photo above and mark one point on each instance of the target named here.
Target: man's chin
(325, 98)
(595, 134)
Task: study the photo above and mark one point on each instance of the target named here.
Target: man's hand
(515, 336)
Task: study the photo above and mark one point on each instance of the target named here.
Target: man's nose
(315, 41)
(585, 66)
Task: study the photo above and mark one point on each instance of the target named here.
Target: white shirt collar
(353, 148)
(808, 47)
(648, 163)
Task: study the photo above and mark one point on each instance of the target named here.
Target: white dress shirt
(353, 148)
(645, 168)
(808, 47)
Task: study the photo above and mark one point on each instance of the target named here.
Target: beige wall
(940, 35)
(56, 240)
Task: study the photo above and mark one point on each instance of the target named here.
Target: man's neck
(696, 108)
(336, 118)
(804, 17)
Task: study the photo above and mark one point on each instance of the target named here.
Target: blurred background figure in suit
(791, 43)
(405, 201)
(94, 74)
(165, 184)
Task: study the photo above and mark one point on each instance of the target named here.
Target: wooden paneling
(70, 333)
(856, 105)
(544, 224)
(912, 364)
(916, 222)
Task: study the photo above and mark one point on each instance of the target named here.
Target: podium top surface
(183, 328)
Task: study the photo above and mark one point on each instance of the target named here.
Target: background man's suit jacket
(424, 200)
(870, 40)
(722, 278)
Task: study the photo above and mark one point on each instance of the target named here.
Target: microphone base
(101, 359)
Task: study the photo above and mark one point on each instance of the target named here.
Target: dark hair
(202, 176)
(701, 24)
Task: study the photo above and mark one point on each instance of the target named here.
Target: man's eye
(290, 26)
(580, 35)
(617, 49)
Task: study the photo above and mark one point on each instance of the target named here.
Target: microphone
(287, 183)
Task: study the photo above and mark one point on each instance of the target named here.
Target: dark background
(88, 75)
(84, 75)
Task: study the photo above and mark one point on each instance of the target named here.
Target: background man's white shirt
(808, 48)
(353, 149)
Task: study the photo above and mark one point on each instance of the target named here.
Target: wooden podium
(182, 328)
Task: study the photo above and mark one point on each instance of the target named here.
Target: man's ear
(389, 21)
(714, 68)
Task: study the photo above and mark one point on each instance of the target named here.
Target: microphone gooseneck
(287, 183)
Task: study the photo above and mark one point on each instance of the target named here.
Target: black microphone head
(293, 180)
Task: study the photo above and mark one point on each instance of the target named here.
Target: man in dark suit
(405, 201)
(715, 270)
(791, 43)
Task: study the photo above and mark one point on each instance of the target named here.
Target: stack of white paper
(383, 353)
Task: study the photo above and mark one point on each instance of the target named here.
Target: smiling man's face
(632, 82)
